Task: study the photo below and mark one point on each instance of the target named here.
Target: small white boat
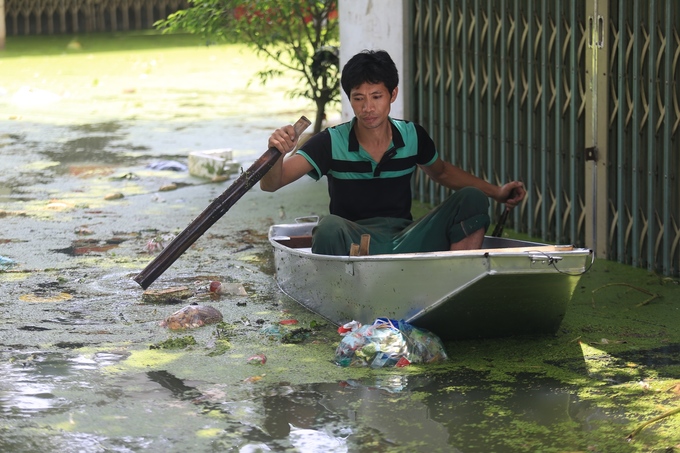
(508, 287)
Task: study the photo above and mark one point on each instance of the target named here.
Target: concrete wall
(376, 25)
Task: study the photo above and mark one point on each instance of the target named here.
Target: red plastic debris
(257, 359)
(402, 362)
(215, 287)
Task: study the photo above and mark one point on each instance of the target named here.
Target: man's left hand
(512, 193)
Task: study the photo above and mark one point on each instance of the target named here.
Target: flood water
(77, 371)
(70, 403)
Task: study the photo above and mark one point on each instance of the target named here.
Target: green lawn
(144, 76)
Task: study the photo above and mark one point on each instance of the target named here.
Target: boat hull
(507, 288)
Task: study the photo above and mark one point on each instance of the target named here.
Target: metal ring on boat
(550, 260)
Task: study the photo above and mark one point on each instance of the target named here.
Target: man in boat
(369, 162)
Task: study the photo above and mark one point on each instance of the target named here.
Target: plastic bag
(387, 343)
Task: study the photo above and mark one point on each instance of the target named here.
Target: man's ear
(394, 94)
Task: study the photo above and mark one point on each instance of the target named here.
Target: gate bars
(577, 98)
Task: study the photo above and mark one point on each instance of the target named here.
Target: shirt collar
(397, 139)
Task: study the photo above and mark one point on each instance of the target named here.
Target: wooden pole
(213, 212)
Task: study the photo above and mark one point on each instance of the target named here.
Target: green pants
(463, 213)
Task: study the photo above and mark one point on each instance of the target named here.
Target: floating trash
(167, 165)
(6, 262)
(168, 295)
(114, 196)
(32, 297)
(286, 334)
(257, 359)
(158, 243)
(168, 187)
(233, 289)
(192, 316)
(253, 378)
(389, 343)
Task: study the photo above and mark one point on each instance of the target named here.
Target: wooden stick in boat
(498, 231)
(525, 249)
(361, 249)
(365, 244)
(215, 210)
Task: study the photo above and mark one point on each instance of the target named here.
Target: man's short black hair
(369, 66)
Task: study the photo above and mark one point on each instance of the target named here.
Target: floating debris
(114, 196)
(89, 171)
(192, 316)
(167, 165)
(90, 245)
(158, 243)
(32, 297)
(257, 359)
(168, 187)
(296, 336)
(254, 378)
(213, 164)
(6, 262)
(4, 213)
(286, 334)
(129, 176)
(168, 295)
(58, 205)
(233, 289)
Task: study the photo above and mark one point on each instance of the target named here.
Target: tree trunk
(320, 115)
(3, 30)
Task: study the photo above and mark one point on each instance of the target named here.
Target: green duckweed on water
(175, 343)
(96, 369)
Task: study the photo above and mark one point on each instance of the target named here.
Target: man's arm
(290, 167)
(455, 178)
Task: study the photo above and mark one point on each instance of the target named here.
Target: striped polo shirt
(359, 187)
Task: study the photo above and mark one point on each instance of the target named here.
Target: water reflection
(27, 384)
(29, 381)
(449, 412)
(68, 401)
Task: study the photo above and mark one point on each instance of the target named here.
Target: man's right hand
(283, 139)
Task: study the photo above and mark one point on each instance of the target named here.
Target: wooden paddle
(215, 210)
(501, 223)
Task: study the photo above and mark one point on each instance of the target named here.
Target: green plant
(299, 35)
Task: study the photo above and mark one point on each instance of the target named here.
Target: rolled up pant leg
(460, 215)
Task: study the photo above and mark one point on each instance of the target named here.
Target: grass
(141, 76)
(33, 46)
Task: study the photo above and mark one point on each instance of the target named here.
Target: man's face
(371, 104)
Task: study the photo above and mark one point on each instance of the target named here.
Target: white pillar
(374, 25)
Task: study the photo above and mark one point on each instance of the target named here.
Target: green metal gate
(643, 122)
(530, 90)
